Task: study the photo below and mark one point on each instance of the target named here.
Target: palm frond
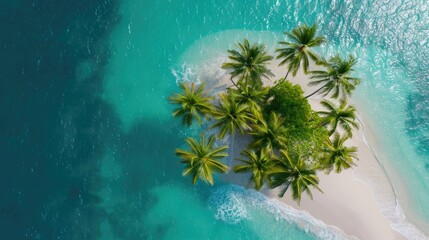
(202, 161)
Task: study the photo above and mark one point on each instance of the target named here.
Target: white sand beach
(358, 200)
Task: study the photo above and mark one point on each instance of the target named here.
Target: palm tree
(249, 63)
(298, 50)
(336, 78)
(269, 134)
(258, 163)
(294, 171)
(343, 115)
(202, 161)
(338, 155)
(231, 115)
(194, 103)
(252, 97)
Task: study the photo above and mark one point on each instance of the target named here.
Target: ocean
(86, 134)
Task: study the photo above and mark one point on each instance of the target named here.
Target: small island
(288, 141)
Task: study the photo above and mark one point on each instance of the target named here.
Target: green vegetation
(343, 116)
(230, 115)
(259, 164)
(296, 172)
(249, 64)
(289, 102)
(253, 97)
(290, 142)
(297, 50)
(194, 102)
(203, 159)
(338, 155)
(270, 134)
(335, 78)
(302, 124)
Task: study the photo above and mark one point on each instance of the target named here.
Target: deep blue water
(86, 135)
(43, 192)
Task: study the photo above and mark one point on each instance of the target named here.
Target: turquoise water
(89, 149)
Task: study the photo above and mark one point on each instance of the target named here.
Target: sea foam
(186, 74)
(232, 204)
(389, 204)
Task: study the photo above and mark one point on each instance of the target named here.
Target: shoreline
(360, 201)
(410, 222)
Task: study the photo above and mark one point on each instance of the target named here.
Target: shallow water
(86, 133)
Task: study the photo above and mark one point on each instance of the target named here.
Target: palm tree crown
(194, 103)
(298, 50)
(269, 133)
(294, 171)
(341, 115)
(252, 97)
(231, 115)
(338, 155)
(336, 78)
(203, 159)
(259, 164)
(249, 63)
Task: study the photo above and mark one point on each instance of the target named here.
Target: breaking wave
(233, 204)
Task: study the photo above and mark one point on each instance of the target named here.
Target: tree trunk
(232, 151)
(287, 73)
(233, 83)
(314, 92)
